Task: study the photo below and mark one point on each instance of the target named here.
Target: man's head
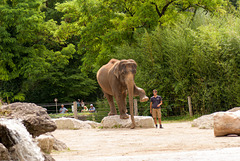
(154, 92)
(91, 105)
(62, 105)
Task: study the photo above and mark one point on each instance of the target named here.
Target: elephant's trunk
(130, 86)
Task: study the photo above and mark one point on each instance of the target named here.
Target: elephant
(116, 78)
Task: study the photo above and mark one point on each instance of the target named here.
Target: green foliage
(197, 61)
(53, 49)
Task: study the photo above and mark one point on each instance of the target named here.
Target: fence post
(190, 106)
(56, 104)
(135, 108)
(75, 109)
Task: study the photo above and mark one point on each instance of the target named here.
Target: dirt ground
(177, 141)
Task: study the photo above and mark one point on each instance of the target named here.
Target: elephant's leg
(121, 101)
(141, 93)
(113, 110)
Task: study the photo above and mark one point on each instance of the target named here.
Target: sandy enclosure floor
(177, 141)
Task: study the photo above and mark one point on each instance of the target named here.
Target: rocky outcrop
(34, 118)
(59, 145)
(52, 143)
(45, 143)
(235, 109)
(5, 137)
(116, 122)
(204, 122)
(4, 155)
(74, 124)
(226, 123)
(93, 124)
(48, 157)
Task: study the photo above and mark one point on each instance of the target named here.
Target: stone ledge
(74, 124)
(116, 122)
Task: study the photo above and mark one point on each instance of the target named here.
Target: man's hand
(158, 105)
(151, 111)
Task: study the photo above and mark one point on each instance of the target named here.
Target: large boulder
(48, 157)
(235, 109)
(204, 122)
(93, 124)
(116, 122)
(45, 143)
(5, 137)
(57, 144)
(71, 123)
(226, 123)
(4, 155)
(34, 118)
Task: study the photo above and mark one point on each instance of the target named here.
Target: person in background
(155, 107)
(85, 109)
(63, 109)
(78, 103)
(92, 109)
(82, 104)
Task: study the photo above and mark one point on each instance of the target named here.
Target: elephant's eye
(134, 71)
(123, 72)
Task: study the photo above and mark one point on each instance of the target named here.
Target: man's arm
(159, 104)
(151, 107)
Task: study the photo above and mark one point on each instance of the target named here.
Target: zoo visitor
(92, 109)
(63, 109)
(85, 109)
(155, 108)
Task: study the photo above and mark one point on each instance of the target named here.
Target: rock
(93, 124)
(234, 109)
(71, 123)
(45, 142)
(204, 122)
(226, 123)
(116, 122)
(57, 144)
(34, 118)
(48, 157)
(5, 137)
(4, 155)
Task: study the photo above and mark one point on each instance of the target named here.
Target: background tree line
(53, 49)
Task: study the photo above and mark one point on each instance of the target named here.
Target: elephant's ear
(116, 69)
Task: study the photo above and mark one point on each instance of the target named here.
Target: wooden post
(75, 109)
(135, 107)
(56, 104)
(190, 106)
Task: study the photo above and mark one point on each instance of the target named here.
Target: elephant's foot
(144, 99)
(111, 114)
(124, 116)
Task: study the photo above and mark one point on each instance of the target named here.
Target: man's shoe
(156, 126)
(161, 127)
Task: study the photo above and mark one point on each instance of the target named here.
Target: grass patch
(172, 119)
(59, 115)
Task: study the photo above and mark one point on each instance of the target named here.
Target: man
(155, 107)
(63, 109)
(92, 109)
